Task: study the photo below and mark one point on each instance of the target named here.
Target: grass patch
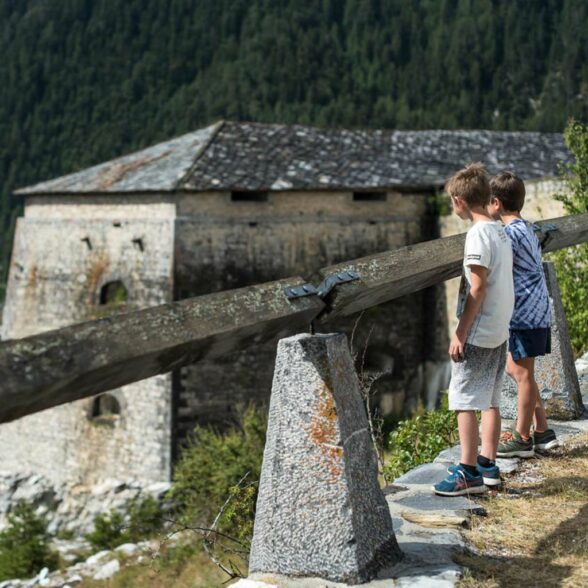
(419, 440)
(181, 566)
(536, 530)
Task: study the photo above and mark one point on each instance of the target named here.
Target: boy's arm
(479, 275)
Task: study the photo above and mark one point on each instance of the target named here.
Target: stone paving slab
(423, 499)
(508, 465)
(427, 473)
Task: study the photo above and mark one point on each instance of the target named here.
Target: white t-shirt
(488, 245)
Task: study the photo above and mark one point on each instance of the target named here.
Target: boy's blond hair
(509, 189)
(471, 184)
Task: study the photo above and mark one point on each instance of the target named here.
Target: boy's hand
(456, 347)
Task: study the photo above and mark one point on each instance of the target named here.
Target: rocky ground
(428, 526)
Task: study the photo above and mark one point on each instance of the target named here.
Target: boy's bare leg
(467, 425)
(540, 416)
(490, 432)
(523, 372)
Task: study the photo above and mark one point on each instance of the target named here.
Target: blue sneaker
(491, 475)
(460, 482)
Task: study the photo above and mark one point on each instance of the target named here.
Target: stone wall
(63, 255)
(222, 244)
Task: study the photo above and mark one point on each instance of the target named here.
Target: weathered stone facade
(163, 247)
(64, 254)
(222, 244)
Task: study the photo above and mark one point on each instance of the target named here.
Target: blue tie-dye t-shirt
(531, 309)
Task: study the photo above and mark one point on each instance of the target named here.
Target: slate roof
(252, 156)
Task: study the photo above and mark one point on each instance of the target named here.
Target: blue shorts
(529, 342)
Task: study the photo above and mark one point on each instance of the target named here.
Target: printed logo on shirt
(473, 256)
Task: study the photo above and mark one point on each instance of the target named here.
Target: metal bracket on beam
(300, 291)
(323, 288)
(544, 229)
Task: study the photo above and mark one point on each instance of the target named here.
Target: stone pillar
(320, 510)
(555, 373)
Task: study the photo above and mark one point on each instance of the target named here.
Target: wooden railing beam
(392, 274)
(60, 366)
(75, 362)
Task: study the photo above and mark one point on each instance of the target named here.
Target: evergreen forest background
(83, 81)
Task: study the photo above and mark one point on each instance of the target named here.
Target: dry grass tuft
(536, 531)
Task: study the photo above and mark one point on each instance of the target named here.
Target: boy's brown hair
(509, 189)
(471, 184)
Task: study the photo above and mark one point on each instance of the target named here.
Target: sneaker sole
(476, 490)
(529, 453)
(549, 445)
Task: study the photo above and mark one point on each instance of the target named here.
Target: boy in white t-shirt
(478, 346)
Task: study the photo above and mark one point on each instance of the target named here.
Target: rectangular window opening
(369, 196)
(249, 196)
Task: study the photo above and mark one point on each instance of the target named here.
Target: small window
(105, 409)
(249, 196)
(113, 293)
(369, 196)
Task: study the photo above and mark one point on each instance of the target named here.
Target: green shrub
(145, 519)
(111, 530)
(210, 469)
(571, 264)
(419, 439)
(24, 545)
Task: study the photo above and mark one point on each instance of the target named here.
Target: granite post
(320, 510)
(555, 373)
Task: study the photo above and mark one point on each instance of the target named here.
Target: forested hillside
(82, 81)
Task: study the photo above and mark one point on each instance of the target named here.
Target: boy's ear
(496, 202)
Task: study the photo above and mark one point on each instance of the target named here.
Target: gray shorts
(476, 382)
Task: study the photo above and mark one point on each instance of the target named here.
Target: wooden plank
(392, 274)
(60, 366)
(571, 230)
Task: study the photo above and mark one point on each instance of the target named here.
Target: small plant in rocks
(419, 440)
(24, 544)
(144, 519)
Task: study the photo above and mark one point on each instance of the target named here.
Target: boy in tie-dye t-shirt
(530, 332)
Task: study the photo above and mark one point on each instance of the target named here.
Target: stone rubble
(99, 566)
(70, 507)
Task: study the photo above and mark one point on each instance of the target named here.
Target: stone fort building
(226, 206)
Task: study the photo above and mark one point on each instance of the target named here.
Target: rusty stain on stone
(95, 273)
(33, 277)
(323, 431)
(118, 171)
